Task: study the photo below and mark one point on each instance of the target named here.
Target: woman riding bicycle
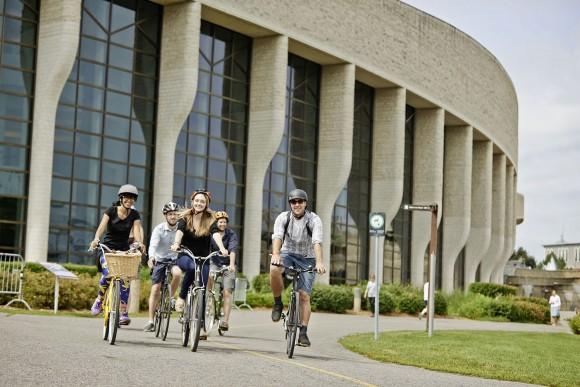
(229, 240)
(118, 222)
(194, 231)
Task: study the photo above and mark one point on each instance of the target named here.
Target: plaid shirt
(297, 240)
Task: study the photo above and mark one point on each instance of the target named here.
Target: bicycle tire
(197, 319)
(115, 311)
(210, 312)
(165, 313)
(158, 314)
(186, 321)
(291, 326)
(106, 309)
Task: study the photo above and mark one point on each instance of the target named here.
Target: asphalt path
(66, 351)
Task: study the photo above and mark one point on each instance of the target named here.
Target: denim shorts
(158, 275)
(305, 280)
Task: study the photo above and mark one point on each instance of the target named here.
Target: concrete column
(457, 198)
(177, 89)
(495, 250)
(497, 275)
(334, 146)
(427, 182)
(266, 128)
(58, 40)
(481, 196)
(388, 164)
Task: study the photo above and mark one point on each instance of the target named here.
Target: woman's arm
(177, 240)
(217, 237)
(100, 230)
(138, 234)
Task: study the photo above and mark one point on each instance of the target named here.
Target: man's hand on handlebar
(151, 262)
(175, 247)
(320, 269)
(276, 259)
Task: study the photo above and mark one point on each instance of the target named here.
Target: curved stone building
(366, 107)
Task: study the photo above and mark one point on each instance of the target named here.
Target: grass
(541, 358)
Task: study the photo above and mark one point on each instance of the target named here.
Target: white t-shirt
(371, 289)
(555, 301)
(426, 291)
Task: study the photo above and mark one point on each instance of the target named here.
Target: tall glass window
(105, 122)
(459, 271)
(18, 30)
(397, 250)
(211, 149)
(294, 164)
(349, 246)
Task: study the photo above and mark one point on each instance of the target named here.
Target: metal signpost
(59, 272)
(432, 259)
(377, 229)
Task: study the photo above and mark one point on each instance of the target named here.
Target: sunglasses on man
(296, 201)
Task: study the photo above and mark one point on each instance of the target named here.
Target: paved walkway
(68, 351)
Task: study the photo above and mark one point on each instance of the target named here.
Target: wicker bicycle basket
(124, 265)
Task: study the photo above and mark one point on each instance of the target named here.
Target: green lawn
(540, 358)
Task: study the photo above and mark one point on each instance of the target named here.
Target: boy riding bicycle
(160, 255)
(296, 241)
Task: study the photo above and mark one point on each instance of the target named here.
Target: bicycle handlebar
(188, 252)
(297, 270)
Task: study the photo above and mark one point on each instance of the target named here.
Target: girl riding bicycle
(118, 222)
(195, 228)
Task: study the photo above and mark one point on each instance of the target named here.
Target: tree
(522, 255)
(559, 261)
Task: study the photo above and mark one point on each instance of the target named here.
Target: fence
(11, 277)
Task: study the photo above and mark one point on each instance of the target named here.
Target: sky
(538, 43)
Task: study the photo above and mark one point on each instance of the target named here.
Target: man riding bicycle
(229, 242)
(297, 242)
(160, 255)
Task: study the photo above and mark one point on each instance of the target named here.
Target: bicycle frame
(214, 299)
(163, 310)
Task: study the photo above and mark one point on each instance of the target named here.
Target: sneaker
(150, 327)
(172, 303)
(179, 305)
(277, 312)
(224, 326)
(124, 319)
(97, 306)
(303, 340)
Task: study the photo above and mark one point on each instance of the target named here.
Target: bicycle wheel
(218, 307)
(158, 314)
(210, 312)
(165, 312)
(114, 314)
(197, 319)
(186, 320)
(291, 326)
(106, 309)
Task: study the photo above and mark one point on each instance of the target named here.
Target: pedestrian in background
(425, 300)
(555, 304)
(371, 294)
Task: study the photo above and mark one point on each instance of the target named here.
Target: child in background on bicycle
(296, 241)
(195, 228)
(229, 241)
(160, 256)
(118, 222)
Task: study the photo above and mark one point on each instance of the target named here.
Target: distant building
(570, 252)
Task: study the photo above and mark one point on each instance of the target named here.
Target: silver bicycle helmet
(169, 206)
(297, 194)
(128, 189)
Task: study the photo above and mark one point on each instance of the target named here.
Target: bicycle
(163, 310)
(122, 266)
(214, 300)
(291, 319)
(193, 312)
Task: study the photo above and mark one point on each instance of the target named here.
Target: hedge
(411, 303)
(492, 290)
(261, 283)
(336, 299)
(575, 324)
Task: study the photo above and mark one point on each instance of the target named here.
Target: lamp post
(433, 208)
(377, 229)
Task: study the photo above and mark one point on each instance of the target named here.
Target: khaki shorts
(229, 278)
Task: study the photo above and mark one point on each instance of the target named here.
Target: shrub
(411, 303)
(386, 301)
(261, 283)
(523, 311)
(255, 299)
(332, 298)
(440, 304)
(492, 290)
(575, 324)
(474, 306)
(534, 300)
(500, 307)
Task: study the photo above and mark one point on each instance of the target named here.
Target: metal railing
(11, 277)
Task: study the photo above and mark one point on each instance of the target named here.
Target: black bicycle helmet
(297, 194)
(169, 206)
(128, 189)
